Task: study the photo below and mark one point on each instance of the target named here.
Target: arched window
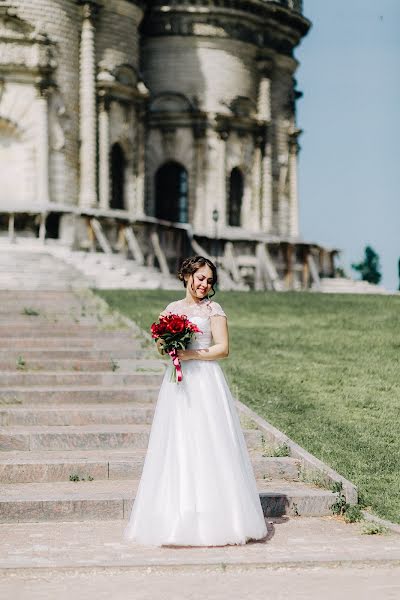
(118, 162)
(236, 189)
(171, 185)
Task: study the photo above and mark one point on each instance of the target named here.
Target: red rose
(176, 325)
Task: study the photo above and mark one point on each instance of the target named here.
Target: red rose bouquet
(177, 332)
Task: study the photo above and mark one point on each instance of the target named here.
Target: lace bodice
(200, 313)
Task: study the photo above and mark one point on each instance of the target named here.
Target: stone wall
(59, 20)
(221, 97)
(233, 63)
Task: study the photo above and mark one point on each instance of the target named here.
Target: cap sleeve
(216, 310)
(168, 308)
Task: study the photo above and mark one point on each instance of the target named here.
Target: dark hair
(190, 266)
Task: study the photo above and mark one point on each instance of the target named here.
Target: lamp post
(215, 216)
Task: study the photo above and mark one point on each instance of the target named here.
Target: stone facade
(160, 116)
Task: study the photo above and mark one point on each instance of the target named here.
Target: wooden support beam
(159, 253)
(288, 251)
(230, 263)
(314, 271)
(101, 238)
(266, 274)
(133, 245)
(305, 276)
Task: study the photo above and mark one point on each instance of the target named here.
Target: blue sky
(349, 163)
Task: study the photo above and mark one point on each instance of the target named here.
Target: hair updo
(190, 266)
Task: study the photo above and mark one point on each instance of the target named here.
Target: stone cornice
(264, 24)
(200, 122)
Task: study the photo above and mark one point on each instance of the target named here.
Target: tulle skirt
(197, 486)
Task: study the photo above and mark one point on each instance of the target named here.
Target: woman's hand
(184, 354)
(160, 346)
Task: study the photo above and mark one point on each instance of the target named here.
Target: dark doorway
(53, 225)
(118, 164)
(236, 189)
(171, 184)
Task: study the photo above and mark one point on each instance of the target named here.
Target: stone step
(16, 308)
(74, 353)
(20, 378)
(84, 394)
(44, 295)
(36, 466)
(41, 322)
(99, 342)
(81, 365)
(76, 414)
(88, 437)
(113, 499)
(59, 329)
(45, 310)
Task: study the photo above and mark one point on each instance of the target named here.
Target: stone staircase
(77, 394)
(111, 271)
(344, 285)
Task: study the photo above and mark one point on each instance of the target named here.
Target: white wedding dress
(197, 486)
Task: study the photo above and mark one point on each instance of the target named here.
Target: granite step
(113, 499)
(36, 466)
(63, 320)
(76, 414)
(81, 365)
(49, 297)
(13, 308)
(20, 378)
(88, 437)
(100, 342)
(84, 394)
(13, 304)
(75, 353)
(60, 329)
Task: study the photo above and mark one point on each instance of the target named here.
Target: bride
(197, 486)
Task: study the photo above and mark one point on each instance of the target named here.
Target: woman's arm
(220, 349)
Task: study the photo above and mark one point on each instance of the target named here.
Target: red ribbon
(176, 363)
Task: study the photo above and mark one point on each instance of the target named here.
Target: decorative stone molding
(59, 121)
(22, 48)
(122, 83)
(90, 9)
(293, 140)
(243, 20)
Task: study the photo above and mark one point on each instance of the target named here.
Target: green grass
(324, 369)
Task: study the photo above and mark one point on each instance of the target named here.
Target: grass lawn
(323, 368)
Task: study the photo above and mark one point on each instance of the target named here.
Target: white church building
(157, 129)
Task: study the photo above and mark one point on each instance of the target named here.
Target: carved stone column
(264, 114)
(199, 157)
(293, 192)
(256, 204)
(264, 98)
(42, 147)
(140, 165)
(216, 180)
(104, 153)
(87, 107)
